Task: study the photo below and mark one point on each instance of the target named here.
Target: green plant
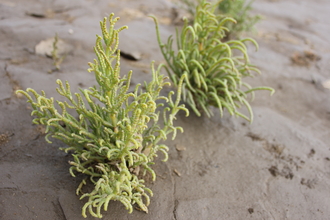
(240, 11)
(214, 69)
(116, 136)
(55, 56)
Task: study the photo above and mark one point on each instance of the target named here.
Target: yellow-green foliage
(240, 11)
(214, 68)
(115, 134)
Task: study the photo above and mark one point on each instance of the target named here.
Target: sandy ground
(276, 168)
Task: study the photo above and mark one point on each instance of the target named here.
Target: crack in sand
(13, 83)
(62, 214)
(33, 213)
(176, 203)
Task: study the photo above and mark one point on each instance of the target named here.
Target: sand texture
(278, 167)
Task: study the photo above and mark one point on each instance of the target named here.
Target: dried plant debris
(4, 138)
(213, 69)
(311, 153)
(254, 137)
(116, 135)
(310, 183)
(284, 172)
(286, 163)
(305, 58)
(274, 148)
(177, 172)
(250, 210)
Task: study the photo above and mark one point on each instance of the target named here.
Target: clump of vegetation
(240, 11)
(117, 133)
(214, 68)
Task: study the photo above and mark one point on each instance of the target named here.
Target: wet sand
(278, 167)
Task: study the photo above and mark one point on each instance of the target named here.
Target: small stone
(46, 47)
(326, 84)
(180, 148)
(134, 55)
(177, 172)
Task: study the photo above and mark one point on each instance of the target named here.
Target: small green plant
(55, 56)
(214, 69)
(240, 11)
(116, 134)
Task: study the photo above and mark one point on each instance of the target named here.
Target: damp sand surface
(278, 167)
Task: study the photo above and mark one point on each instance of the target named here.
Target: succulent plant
(213, 68)
(114, 135)
(239, 10)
